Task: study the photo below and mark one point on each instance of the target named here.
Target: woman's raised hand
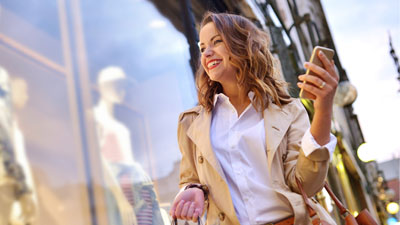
(188, 205)
(323, 84)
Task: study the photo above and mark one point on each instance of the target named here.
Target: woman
(246, 143)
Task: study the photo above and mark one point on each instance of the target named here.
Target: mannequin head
(111, 82)
(19, 91)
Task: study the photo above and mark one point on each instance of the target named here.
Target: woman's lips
(213, 63)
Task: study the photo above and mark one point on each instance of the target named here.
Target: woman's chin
(214, 76)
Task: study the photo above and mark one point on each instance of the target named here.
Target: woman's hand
(323, 86)
(188, 205)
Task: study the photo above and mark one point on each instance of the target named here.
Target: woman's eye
(202, 50)
(217, 41)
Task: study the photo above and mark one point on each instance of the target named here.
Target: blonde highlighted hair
(250, 56)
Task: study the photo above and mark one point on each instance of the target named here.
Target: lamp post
(395, 58)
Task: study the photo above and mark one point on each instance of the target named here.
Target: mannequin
(129, 183)
(18, 204)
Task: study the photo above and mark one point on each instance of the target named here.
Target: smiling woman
(246, 144)
(233, 53)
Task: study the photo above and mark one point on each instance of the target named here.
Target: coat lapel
(199, 133)
(276, 122)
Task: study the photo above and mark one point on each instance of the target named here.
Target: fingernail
(321, 53)
(306, 64)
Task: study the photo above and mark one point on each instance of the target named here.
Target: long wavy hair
(250, 56)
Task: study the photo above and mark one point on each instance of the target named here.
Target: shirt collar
(222, 97)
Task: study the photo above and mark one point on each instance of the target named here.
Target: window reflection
(18, 199)
(150, 58)
(136, 107)
(52, 152)
(131, 192)
(40, 19)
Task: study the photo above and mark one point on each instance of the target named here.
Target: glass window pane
(43, 145)
(34, 25)
(141, 78)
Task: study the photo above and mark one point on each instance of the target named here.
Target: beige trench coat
(284, 129)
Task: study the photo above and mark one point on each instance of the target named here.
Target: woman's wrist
(202, 187)
(321, 127)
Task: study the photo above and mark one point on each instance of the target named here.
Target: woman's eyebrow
(201, 43)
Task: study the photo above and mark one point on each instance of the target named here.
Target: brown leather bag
(363, 218)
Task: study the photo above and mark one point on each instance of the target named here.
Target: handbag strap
(338, 203)
(343, 210)
(304, 195)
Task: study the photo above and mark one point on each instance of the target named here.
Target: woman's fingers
(173, 208)
(178, 209)
(316, 81)
(188, 205)
(310, 88)
(196, 214)
(190, 212)
(328, 65)
(320, 72)
(185, 209)
(323, 81)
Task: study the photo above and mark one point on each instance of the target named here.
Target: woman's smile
(213, 63)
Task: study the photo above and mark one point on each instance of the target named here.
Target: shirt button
(200, 159)
(221, 216)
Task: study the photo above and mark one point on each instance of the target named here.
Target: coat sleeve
(311, 170)
(187, 172)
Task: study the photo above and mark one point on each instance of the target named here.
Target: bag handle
(175, 221)
(305, 198)
(343, 210)
(338, 203)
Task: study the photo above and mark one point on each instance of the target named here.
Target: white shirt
(239, 145)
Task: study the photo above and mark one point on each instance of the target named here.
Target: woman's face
(215, 55)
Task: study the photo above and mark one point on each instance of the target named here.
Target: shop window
(44, 180)
(141, 80)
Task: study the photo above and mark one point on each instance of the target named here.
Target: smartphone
(315, 59)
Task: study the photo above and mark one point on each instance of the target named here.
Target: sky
(360, 32)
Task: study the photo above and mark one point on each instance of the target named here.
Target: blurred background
(91, 91)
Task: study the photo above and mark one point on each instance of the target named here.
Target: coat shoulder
(190, 113)
(294, 107)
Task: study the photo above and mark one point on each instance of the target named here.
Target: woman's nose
(208, 52)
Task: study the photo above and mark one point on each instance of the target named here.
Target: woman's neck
(238, 97)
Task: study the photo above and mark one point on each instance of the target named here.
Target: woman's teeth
(213, 63)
